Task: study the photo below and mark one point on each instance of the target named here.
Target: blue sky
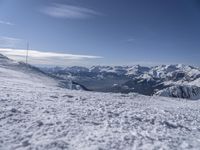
(101, 32)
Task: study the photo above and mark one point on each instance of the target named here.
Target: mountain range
(181, 81)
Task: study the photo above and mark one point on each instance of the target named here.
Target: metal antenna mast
(27, 52)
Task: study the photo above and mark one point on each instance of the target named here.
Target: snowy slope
(36, 115)
(195, 82)
(20, 70)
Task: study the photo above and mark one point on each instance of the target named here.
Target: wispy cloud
(69, 11)
(131, 40)
(6, 23)
(10, 41)
(47, 58)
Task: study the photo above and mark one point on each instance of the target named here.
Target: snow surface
(36, 115)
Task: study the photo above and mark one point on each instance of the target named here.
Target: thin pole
(27, 52)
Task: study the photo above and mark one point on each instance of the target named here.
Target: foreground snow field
(36, 115)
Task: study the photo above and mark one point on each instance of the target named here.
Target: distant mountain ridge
(136, 78)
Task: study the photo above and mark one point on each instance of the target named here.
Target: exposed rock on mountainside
(180, 91)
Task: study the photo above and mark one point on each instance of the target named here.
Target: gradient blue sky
(122, 32)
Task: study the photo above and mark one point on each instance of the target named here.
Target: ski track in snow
(37, 116)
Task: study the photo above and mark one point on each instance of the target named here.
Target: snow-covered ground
(36, 115)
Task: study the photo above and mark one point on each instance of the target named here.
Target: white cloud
(9, 41)
(6, 23)
(69, 11)
(47, 58)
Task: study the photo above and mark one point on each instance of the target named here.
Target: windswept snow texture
(36, 115)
